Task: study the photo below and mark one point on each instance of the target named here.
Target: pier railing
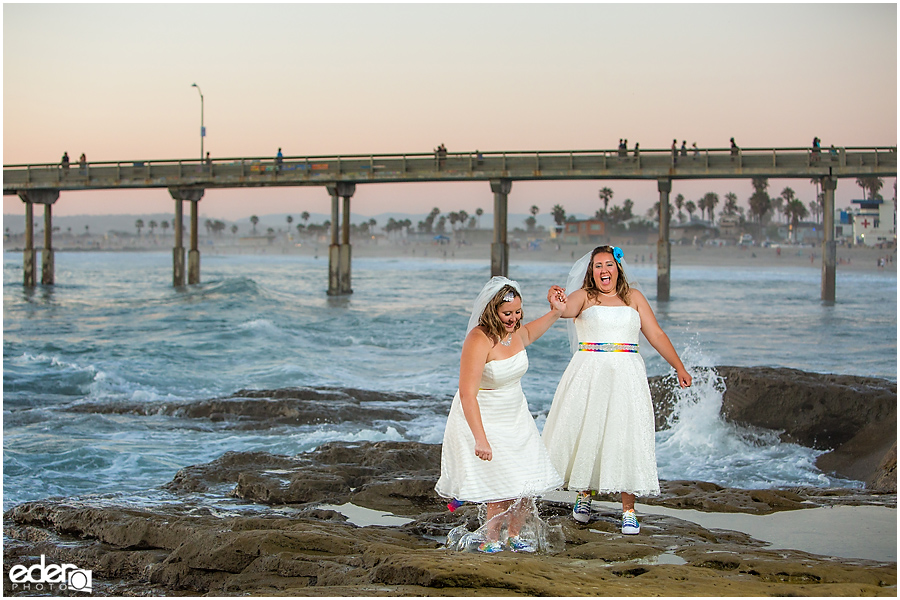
(713, 163)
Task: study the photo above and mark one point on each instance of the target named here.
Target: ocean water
(113, 330)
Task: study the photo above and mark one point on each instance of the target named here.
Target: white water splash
(701, 445)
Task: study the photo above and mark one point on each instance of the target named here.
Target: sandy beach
(859, 258)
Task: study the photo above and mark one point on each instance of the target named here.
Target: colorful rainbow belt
(606, 347)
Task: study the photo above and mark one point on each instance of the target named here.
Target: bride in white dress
(600, 429)
(492, 451)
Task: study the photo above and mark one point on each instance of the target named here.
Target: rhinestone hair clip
(510, 296)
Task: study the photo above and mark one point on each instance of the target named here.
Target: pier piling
(31, 197)
(829, 246)
(500, 247)
(663, 250)
(339, 251)
(193, 195)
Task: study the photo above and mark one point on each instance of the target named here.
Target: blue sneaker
(581, 512)
(517, 544)
(630, 525)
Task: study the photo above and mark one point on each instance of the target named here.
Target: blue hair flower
(618, 254)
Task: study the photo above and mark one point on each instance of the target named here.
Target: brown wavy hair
(489, 318)
(623, 290)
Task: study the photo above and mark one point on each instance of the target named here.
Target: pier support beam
(28, 252)
(193, 195)
(663, 249)
(30, 198)
(829, 246)
(178, 250)
(339, 252)
(500, 247)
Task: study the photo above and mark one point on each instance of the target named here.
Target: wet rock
(853, 418)
(885, 477)
(262, 409)
(397, 477)
(161, 551)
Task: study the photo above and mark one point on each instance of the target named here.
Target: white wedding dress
(520, 466)
(600, 431)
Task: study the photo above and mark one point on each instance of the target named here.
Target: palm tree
(690, 207)
(559, 216)
(534, 210)
(777, 206)
(234, 229)
(453, 217)
(794, 211)
(478, 213)
(305, 216)
(254, 220)
(606, 195)
(164, 225)
(816, 180)
(701, 204)
(679, 204)
(712, 200)
(289, 220)
(653, 213)
(139, 224)
(372, 224)
(209, 225)
(871, 185)
(787, 196)
(815, 207)
(731, 207)
(760, 203)
(152, 225)
(463, 216)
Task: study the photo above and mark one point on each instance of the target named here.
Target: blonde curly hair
(490, 320)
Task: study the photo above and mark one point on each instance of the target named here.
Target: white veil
(576, 280)
(489, 290)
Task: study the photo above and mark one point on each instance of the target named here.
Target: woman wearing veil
(600, 431)
(492, 452)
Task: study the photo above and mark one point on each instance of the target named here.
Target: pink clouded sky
(114, 81)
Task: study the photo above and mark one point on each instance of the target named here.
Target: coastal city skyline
(316, 79)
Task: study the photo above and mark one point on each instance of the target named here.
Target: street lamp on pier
(202, 128)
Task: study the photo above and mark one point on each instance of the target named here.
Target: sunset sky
(114, 81)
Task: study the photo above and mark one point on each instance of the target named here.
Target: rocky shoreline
(255, 523)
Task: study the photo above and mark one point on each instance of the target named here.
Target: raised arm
(471, 366)
(535, 329)
(658, 338)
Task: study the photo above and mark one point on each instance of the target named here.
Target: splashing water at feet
(533, 535)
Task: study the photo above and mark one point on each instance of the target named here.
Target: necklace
(507, 341)
(607, 293)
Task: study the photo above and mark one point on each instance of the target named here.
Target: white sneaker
(581, 512)
(630, 525)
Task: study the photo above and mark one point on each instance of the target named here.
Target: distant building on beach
(871, 222)
(586, 231)
(695, 230)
